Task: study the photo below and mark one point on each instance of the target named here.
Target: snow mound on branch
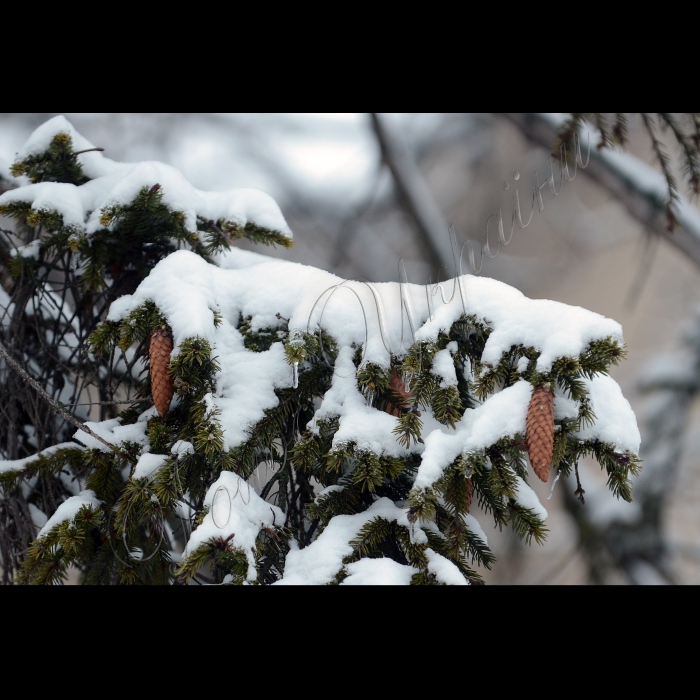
(527, 498)
(444, 366)
(38, 516)
(564, 407)
(501, 415)
(94, 164)
(444, 570)
(369, 429)
(115, 183)
(615, 420)
(113, 432)
(182, 447)
(553, 328)
(235, 512)
(318, 563)
(187, 290)
(69, 509)
(18, 465)
(148, 465)
(379, 572)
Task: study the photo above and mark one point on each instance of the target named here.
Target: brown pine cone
(540, 430)
(399, 388)
(161, 346)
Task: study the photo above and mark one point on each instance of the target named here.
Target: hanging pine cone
(540, 430)
(399, 388)
(161, 346)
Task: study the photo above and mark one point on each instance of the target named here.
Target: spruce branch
(620, 129)
(695, 121)
(642, 202)
(601, 124)
(664, 162)
(690, 152)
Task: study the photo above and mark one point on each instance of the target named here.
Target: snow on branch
(402, 403)
(86, 207)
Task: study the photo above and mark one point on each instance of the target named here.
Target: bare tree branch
(646, 204)
(55, 405)
(416, 195)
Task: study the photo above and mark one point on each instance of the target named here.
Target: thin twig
(56, 406)
(107, 403)
(87, 150)
(269, 484)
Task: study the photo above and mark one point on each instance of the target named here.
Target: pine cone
(399, 388)
(161, 346)
(540, 430)
(470, 493)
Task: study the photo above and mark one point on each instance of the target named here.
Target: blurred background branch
(414, 195)
(634, 184)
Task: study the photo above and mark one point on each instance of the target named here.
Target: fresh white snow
(379, 572)
(188, 290)
(615, 420)
(318, 563)
(116, 183)
(236, 511)
(148, 465)
(16, 465)
(69, 509)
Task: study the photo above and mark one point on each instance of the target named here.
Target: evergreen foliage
(152, 525)
(684, 130)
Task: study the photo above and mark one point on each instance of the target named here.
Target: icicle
(370, 397)
(554, 483)
(295, 375)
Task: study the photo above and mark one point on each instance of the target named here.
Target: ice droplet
(295, 375)
(554, 483)
(516, 175)
(505, 185)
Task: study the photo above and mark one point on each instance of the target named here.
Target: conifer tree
(262, 421)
